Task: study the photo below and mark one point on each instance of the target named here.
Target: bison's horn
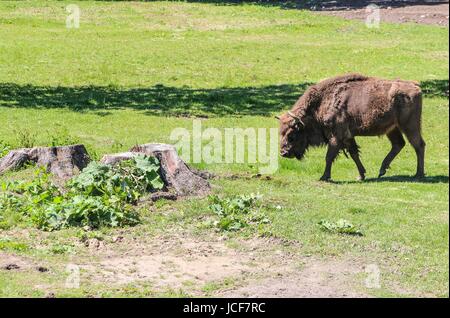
(277, 117)
(296, 118)
(292, 115)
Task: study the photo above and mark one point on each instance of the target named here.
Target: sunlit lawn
(133, 72)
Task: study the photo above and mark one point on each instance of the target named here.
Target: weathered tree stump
(62, 161)
(66, 161)
(175, 173)
(14, 160)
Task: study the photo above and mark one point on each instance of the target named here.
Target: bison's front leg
(333, 150)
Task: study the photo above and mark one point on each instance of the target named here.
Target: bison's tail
(407, 100)
(415, 102)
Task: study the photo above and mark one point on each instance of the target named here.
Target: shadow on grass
(401, 178)
(404, 178)
(435, 88)
(161, 100)
(156, 100)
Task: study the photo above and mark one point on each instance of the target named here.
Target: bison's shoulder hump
(342, 79)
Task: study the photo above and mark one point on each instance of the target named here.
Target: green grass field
(134, 71)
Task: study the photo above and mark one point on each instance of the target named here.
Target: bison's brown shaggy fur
(336, 110)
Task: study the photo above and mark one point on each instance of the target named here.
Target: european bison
(336, 110)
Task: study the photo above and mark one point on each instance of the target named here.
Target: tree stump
(62, 161)
(174, 172)
(66, 161)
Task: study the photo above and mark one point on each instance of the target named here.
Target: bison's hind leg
(416, 140)
(353, 149)
(412, 129)
(397, 141)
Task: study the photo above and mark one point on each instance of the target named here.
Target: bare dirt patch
(171, 262)
(258, 267)
(317, 278)
(12, 262)
(437, 14)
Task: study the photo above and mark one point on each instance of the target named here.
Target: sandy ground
(256, 267)
(437, 14)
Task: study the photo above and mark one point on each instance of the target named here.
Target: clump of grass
(85, 236)
(25, 138)
(9, 217)
(211, 287)
(61, 137)
(357, 210)
(237, 212)
(9, 245)
(341, 227)
(4, 148)
(59, 249)
(117, 146)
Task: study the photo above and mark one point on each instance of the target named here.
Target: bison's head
(297, 135)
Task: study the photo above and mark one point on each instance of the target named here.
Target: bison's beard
(297, 152)
(293, 154)
(299, 155)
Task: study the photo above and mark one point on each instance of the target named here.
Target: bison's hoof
(361, 178)
(419, 176)
(325, 178)
(382, 173)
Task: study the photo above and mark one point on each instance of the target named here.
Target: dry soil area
(437, 14)
(201, 266)
(257, 267)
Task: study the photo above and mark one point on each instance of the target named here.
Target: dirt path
(208, 265)
(437, 14)
(255, 268)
